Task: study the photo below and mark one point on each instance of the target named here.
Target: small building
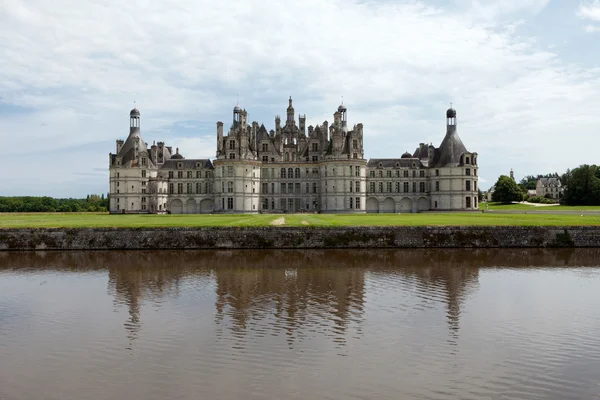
(549, 186)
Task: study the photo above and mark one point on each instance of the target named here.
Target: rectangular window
(389, 187)
(189, 174)
(230, 203)
(272, 188)
(467, 171)
(355, 155)
(388, 174)
(372, 187)
(380, 174)
(171, 188)
(371, 174)
(351, 202)
(143, 173)
(265, 204)
(290, 188)
(265, 148)
(397, 173)
(397, 187)
(315, 188)
(350, 186)
(406, 174)
(475, 186)
(468, 202)
(357, 203)
(468, 185)
(414, 187)
(207, 174)
(357, 186)
(315, 158)
(265, 158)
(422, 187)
(207, 188)
(180, 188)
(380, 187)
(437, 172)
(198, 187)
(230, 171)
(283, 188)
(422, 174)
(232, 145)
(355, 144)
(283, 204)
(198, 174)
(437, 186)
(189, 188)
(179, 174)
(229, 187)
(265, 188)
(297, 187)
(143, 160)
(315, 147)
(357, 170)
(414, 174)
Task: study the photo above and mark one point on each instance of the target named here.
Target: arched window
(297, 173)
(282, 172)
(290, 172)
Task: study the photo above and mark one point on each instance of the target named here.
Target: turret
(134, 121)
(237, 113)
(450, 120)
(302, 124)
(277, 125)
(344, 117)
(290, 121)
(119, 145)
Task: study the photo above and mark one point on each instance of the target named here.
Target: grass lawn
(97, 220)
(524, 207)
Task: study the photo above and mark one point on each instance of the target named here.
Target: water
(340, 324)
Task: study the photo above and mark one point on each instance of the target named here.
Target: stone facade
(549, 186)
(293, 168)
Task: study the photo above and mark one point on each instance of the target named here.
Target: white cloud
(80, 66)
(589, 10)
(592, 28)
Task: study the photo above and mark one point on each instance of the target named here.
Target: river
(327, 324)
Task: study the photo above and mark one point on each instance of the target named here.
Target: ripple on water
(330, 325)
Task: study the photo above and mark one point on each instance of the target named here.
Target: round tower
(237, 116)
(134, 120)
(451, 116)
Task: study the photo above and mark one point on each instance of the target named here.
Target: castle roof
(393, 163)
(449, 152)
(187, 163)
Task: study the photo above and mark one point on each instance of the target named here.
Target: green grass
(524, 207)
(96, 220)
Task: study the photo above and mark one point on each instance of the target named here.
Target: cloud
(77, 68)
(589, 10)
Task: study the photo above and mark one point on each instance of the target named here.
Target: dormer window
(198, 165)
(467, 160)
(397, 165)
(380, 165)
(179, 165)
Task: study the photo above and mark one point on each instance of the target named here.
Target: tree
(583, 186)
(506, 190)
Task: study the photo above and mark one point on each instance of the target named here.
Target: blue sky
(523, 75)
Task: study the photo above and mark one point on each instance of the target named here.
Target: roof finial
(450, 104)
(342, 100)
(237, 99)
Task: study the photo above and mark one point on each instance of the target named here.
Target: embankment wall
(296, 238)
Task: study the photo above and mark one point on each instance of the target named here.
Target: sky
(523, 75)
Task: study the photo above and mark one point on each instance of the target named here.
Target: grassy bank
(92, 220)
(542, 207)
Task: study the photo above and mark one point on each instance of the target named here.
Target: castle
(293, 168)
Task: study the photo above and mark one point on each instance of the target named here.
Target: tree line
(92, 203)
(581, 187)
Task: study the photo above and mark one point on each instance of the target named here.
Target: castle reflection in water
(292, 292)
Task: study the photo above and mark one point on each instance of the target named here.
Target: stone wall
(299, 238)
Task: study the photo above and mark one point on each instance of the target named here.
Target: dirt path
(278, 221)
